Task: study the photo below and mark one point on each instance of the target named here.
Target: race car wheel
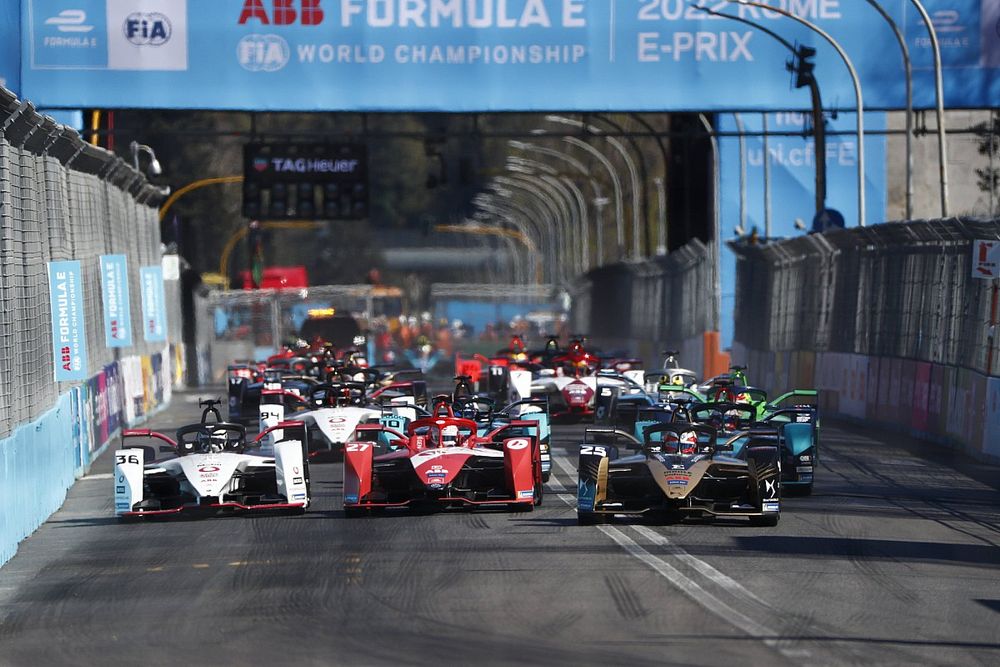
(591, 519)
(539, 492)
(769, 520)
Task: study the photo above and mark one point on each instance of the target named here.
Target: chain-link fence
(903, 290)
(643, 307)
(62, 199)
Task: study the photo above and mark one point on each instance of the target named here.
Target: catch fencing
(63, 199)
(643, 308)
(887, 321)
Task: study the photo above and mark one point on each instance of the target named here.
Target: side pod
(128, 478)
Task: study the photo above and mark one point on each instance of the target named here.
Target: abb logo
(283, 12)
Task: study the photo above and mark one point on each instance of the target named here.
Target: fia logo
(262, 53)
(147, 29)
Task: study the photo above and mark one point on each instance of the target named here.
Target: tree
(988, 178)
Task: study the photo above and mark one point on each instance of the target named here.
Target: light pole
(743, 170)
(716, 240)
(819, 128)
(661, 189)
(859, 100)
(499, 203)
(616, 184)
(908, 71)
(576, 208)
(154, 165)
(939, 95)
(543, 207)
(629, 163)
(582, 168)
(557, 200)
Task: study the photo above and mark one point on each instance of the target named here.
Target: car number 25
(594, 450)
(126, 458)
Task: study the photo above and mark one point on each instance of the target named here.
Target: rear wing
(795, 393)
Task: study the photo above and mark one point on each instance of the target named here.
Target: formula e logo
(147, 29)
(262, 53)
(70, 20)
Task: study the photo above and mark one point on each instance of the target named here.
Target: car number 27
(594, 450)
(357, 446)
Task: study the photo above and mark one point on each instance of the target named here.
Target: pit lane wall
(640, 309)
(887, 322)
(63, 199)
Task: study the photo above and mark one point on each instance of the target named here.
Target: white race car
(211, 467)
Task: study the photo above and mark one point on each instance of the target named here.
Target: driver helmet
(212, 443)
(449, 435)
(731, 420)
(688, 442)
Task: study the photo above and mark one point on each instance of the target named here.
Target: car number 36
(594, 450)
(126, 458)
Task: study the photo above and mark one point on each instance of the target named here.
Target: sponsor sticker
(299, 496)
(121, 506)
(297, 480)
(119, 489)
(526, 494)
(352, 498)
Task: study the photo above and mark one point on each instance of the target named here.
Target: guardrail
(887, 321)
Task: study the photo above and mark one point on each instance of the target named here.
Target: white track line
(681, 581)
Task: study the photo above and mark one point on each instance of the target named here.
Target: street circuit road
(893, 560)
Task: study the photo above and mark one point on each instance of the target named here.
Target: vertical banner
(114, 294)
(154, 306)
(69, 337)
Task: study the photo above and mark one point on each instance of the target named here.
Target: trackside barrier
(37, 464)
(63, 199)
(886, 321)
(642, 308)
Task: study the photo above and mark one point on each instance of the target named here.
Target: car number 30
(594, 450)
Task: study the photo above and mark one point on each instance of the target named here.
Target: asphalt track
(894, 560)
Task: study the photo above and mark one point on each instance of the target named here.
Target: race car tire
(591, 519)
(546, 476)
(539, 493)
(768, 520)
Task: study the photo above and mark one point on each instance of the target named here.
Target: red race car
(441, 462)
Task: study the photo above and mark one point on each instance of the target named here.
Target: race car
(442, 462)
(679, 471)
(211, 468)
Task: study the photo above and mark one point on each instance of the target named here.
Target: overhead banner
(10, 46)
(490, 55)
(69, 335)
(115, 298)
(154, 304)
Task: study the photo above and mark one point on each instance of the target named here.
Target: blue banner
(154, 304)
(792, 183)
(69, 336)
(10, 46)
(114, 295)
(486, 55)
